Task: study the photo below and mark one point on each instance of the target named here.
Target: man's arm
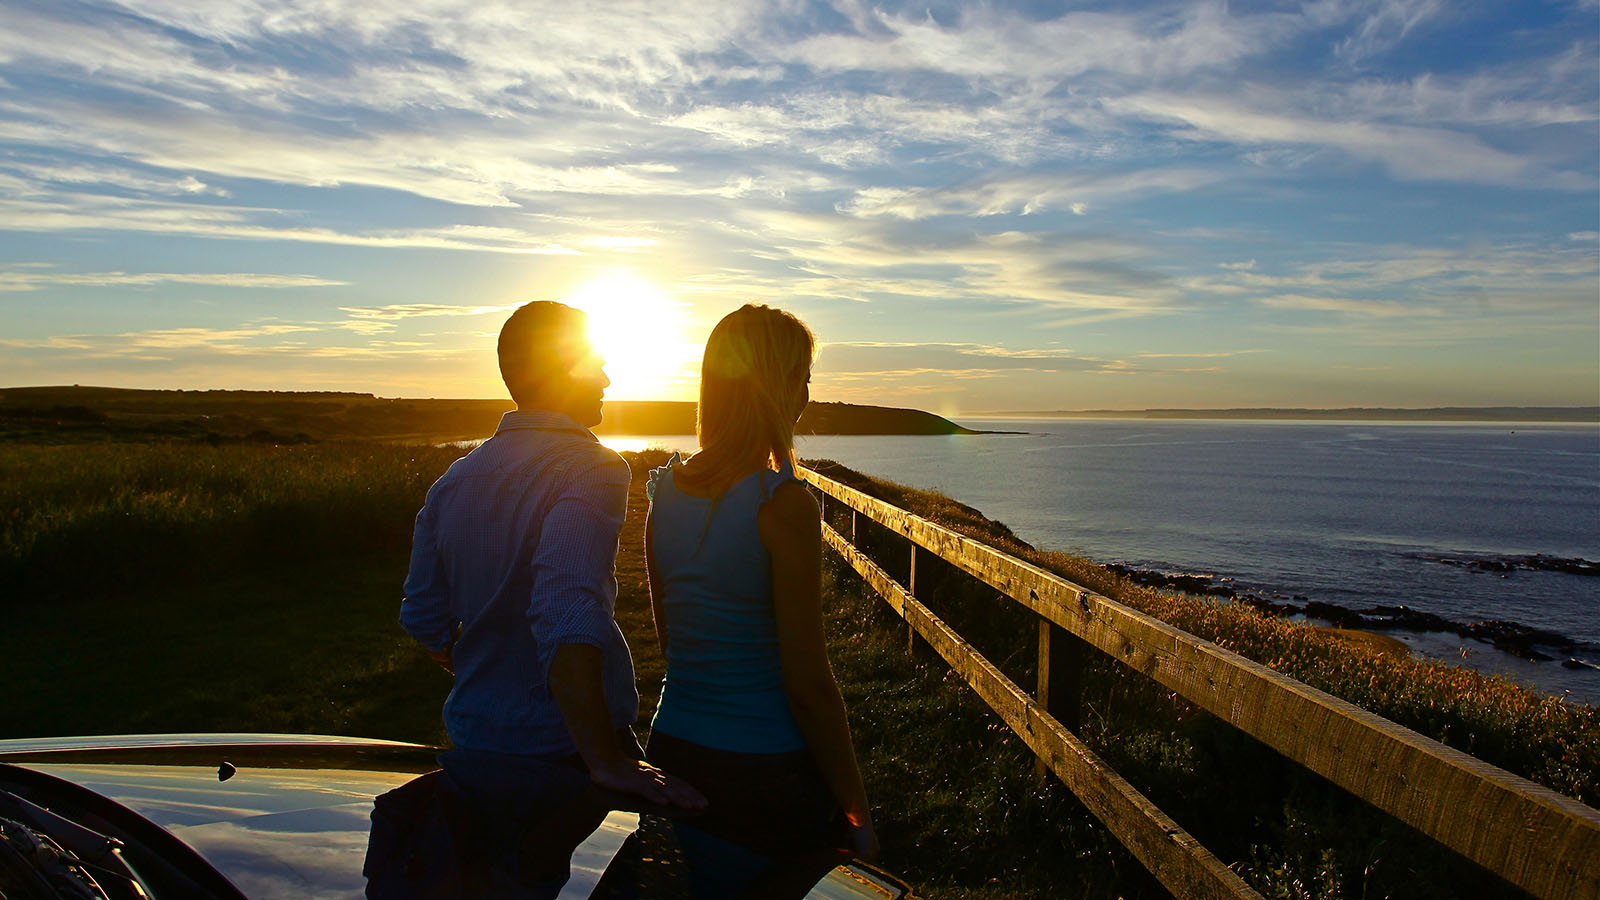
(425, 612)
(573, 570)
(576, 682)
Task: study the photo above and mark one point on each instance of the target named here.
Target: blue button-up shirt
(515, 549)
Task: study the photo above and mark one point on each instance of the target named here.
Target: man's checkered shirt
(516, 548)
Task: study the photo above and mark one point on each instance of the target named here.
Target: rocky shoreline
(1515, 638)
(1535, 562)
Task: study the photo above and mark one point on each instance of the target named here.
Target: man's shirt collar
(541, 420)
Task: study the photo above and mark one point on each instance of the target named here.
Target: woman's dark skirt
(777, 804)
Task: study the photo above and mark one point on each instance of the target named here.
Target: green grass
(243, 587)
(81, 520)
(299, 649)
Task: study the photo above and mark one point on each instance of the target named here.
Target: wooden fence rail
(1535, 838)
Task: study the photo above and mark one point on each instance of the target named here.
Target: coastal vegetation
(252, 586)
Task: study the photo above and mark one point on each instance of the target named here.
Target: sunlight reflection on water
(622, 443)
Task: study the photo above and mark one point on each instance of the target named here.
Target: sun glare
(641, 332)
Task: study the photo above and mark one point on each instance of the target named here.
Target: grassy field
(189, 587)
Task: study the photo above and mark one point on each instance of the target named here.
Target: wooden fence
(1535, 838)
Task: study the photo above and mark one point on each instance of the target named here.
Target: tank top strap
(770, 481)
(659, 473)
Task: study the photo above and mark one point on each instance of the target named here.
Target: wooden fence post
(911, 588)
(1060, 690)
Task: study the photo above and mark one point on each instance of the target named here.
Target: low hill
(663, 417)
(98, 413)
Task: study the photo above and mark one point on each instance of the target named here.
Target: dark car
(263, 816)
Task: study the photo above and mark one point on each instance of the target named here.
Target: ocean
(1432, 517)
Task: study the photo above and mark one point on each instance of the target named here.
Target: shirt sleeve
(425, 612)
(574, 566)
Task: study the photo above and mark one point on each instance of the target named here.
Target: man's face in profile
(579, 388)
(586, 388)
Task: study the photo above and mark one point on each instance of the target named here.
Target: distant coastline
(1532, 414)
(83, 413)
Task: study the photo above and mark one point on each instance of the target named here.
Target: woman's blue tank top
(724, 684)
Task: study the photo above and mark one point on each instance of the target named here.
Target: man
(512, 584)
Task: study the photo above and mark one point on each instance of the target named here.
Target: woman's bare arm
(791, 530)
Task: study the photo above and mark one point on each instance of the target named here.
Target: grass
(81, 520)
(189, 587)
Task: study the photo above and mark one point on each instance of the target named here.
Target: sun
(641, 332)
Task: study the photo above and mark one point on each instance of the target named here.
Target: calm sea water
(1346, 513)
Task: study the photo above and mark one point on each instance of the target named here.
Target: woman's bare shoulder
(792, 508)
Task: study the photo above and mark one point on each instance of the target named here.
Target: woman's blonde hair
(756, 360)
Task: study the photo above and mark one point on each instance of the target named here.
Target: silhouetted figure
(749, 710)
(512, 589)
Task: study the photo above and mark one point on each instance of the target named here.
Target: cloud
(36, 280)
(157, 340)
(415, 310)
(985, 43)
(113, 176)
(1407, 152)
(259, 341)
(1022, 194)
(1384, 308)
(1387, 281)
(1388, 23)
(826, 256)
(99, 212)
(859, 358)
(1216, 354)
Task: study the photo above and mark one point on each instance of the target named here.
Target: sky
(977, 207)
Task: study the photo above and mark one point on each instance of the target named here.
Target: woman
(750, 712)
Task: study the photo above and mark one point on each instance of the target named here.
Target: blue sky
(977, 207)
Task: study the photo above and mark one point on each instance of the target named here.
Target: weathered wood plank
(1178, 861)
(1540, 840)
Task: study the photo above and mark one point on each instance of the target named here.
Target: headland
(80, 413)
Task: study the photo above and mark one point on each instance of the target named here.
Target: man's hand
(576, 685)
(647, 781)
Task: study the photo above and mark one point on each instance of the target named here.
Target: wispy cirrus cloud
(33, 280)
(1038, 192)
(1425, 281)
(157, 340)
(1407, 151)
(905, 358)
(263, 341)
(419, 310)
(67, 212)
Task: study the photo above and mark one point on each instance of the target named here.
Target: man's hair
(539, 340)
